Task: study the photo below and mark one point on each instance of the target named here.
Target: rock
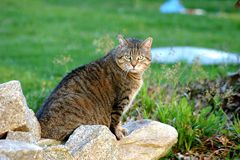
(93, 142)
(22, 136)
(14, 112)
(53, 150)
(16, 150)
(3, 157)
(48, 142)
(32, 123)
(58, 152)
(147, 140)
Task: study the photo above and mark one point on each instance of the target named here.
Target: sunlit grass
(42, 40)
(163, 98)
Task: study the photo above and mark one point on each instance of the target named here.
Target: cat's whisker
(127, 72)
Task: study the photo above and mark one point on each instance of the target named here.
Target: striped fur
(97, 93)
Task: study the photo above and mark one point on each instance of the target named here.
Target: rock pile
(20, 136)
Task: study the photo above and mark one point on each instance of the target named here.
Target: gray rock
(32, 123)
(58, 152)
(3, 157)
(53, 150)
(16, 150)
(93, 142)
(44, 142)
(147, 140)
(22, 136)
(14, 112)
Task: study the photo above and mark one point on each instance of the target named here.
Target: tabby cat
(98, 92)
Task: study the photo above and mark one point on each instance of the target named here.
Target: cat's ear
(122, 41)
(147, 43)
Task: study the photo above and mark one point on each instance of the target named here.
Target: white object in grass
(190, 54)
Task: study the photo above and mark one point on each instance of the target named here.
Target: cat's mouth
(133, 70)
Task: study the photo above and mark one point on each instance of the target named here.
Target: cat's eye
(127, 57)
(141, 58)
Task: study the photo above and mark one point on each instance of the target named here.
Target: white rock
(3, 157)
(190, 54)
(93, 142)
(21, 136)
(44, 142)
(147, 140)
(14, 112)
(32, 123)
(58, 152)
(15, 150)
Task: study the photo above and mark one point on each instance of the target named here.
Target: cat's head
(132, 55)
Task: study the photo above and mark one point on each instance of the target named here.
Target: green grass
(199, 130)
(42, 40)
(34, 33)
(191, 128)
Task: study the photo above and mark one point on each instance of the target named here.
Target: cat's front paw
(120, 132)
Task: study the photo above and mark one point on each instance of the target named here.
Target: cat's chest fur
(134, 89)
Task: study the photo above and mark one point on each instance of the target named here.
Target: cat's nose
(133, 64)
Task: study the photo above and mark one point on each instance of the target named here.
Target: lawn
(42, 40)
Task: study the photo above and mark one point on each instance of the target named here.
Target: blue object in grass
(172, 6)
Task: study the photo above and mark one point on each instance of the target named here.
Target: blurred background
(42, 40)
